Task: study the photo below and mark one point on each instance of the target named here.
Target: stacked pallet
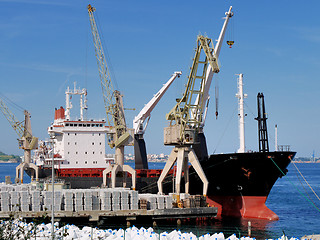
(78, 200)
(194, 201)
(143, 203)
(25, 198)
(134, 200)
(67, 200)
(105, 198)
(116, 194)
(124, 200)
(36, 201)
(96, 204)
(15, 201)
(87, 203)
(155, 201)
(47, 200)
(5, 202)
(25, 201)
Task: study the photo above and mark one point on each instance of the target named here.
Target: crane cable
(306, 181)
(307, 198)
(9, 101)
(217, 95)
(230, 39)
(225, 129)
(106, 53)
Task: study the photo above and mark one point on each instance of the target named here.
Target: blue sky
(47, 45)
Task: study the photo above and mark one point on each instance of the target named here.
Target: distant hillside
(8, 158)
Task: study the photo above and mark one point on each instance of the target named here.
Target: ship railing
(283, 148)
(56, 180)
(57, 162)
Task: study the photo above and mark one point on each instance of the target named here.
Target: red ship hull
(242, 206)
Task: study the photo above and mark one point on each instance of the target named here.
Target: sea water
(290, 198)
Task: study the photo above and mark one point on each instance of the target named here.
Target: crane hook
(230, 43)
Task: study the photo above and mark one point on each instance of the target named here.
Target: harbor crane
(26, 140)
(187, 117)
(201, 147)
(119, 135)
(140, 123)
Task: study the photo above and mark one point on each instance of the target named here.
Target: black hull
(234, 174)
(239, 183)
(243, 174)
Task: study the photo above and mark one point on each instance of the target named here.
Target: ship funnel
(59, 114)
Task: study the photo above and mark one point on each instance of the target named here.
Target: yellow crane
(26, 140)
(187, 117)
(119, 135)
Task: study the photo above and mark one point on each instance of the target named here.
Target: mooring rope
(306, 181)
(309, 200)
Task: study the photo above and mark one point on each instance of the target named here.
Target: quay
(124, 216)
(99, 205)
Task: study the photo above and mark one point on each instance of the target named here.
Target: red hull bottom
(245, 207)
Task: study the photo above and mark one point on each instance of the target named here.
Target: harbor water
(290, 198)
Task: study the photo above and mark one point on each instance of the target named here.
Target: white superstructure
(77, 143)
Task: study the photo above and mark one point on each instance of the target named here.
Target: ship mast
(276, 137)
(262, 124)
(240, 95)
(83, 101)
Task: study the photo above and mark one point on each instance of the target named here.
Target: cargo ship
(239, 183)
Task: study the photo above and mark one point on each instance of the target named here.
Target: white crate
(125, 207)
(161, 201)
(78, 207)
(68, 208)
(134, 206)
(5, 208)
(116, 207)
(106, 207)
(168, 202)
(25, 207)
(36, 207)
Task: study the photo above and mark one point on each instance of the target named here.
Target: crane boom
(112, 99)
(16, 125)
(210, 71)
(145, 112)
(186, 114)
(26, 140)
(119, 135)
(140, 124)
(23, 128)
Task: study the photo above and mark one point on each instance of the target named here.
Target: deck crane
(26, 140)
(201, 147)
(187, 117)
(119, 135)
(140, 123)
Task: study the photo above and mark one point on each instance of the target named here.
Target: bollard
(249, 229)
(179, 222)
